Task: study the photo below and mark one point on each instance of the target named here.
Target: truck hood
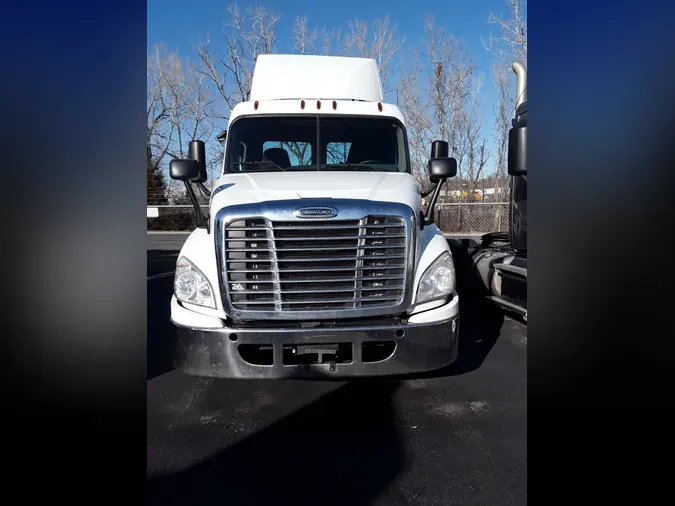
(233, 189)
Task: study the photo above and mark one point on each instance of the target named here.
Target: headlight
(438, 281)
(190, 285)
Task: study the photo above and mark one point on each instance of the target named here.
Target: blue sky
(179, 23)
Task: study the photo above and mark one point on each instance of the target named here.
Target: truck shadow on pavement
(480, 320)
(341, 449)
(479, 328)
(161, 334)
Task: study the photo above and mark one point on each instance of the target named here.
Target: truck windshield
(270, 144)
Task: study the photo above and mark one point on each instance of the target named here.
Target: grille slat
(341, 238)
(322, 227)
(341, 259)
(325, 280)
(324, 248)
(331, 290)
(322, 301)
(325, 269)
(312, 266)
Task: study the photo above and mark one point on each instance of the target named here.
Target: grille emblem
(316, 212)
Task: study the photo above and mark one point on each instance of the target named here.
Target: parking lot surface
(457, 436)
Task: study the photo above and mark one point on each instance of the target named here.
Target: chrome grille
(315, 265)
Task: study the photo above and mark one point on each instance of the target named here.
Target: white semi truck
(316, 258)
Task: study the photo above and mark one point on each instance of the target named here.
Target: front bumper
(426, 345)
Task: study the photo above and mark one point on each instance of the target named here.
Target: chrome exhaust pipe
(521, 73)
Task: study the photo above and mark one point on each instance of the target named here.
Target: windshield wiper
(351, 166)
(262, 163)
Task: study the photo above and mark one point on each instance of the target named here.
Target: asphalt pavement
(458, 436)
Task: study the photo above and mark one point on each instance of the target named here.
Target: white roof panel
(280, 76)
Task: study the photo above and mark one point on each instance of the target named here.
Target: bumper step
(512, 269)
(509, 305)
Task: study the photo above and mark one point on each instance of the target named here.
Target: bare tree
(475, 155)
(508, 45)
(502, 120)
(304, 37)
(192, 118)
(381, 43)
(164, 78)
(179, 108)
(438, 91)
(317, 40)
(247, 34)
(419, 123)
(435, 92)
(250, 33)
(511, 42)
(163, 69)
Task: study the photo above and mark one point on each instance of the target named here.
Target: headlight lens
(438, 280)
(191, 286)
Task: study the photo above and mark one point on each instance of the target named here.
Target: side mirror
(192, 170)
(517, 160)
(197, 152)
(439, 149)
(221, 137)
(184, 170)
(441, 169)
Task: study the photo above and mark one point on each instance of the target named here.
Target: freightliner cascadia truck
(316, 257)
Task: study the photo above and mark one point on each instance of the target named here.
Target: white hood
(232, 189)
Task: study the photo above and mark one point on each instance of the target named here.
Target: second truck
(500, 262)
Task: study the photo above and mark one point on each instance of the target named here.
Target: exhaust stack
(521, 73)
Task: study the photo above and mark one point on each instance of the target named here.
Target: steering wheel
(372, 161)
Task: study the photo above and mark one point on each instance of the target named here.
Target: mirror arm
(201, 222)
(428, 219)
(204, 189)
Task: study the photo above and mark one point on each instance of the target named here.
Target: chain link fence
(456, 218)
(472, 218)
(173, 218)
